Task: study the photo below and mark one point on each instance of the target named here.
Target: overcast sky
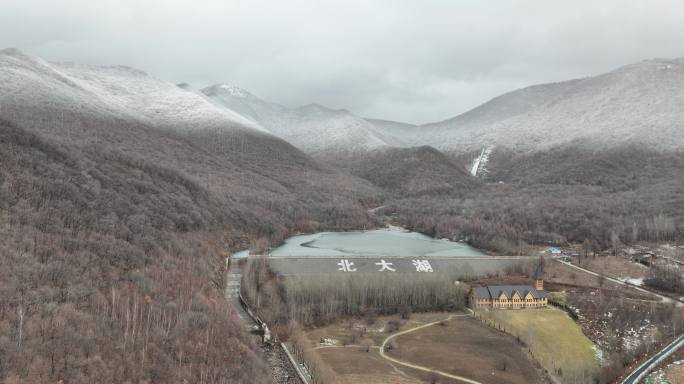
(414, 61)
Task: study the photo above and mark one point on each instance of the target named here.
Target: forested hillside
(121, 195)
(570, 193)
(413, 171)
(115, 223)
(105, 272)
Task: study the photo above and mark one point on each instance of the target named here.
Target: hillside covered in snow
(118, 91)
(120, 114)
(315, 129)
(635, 104)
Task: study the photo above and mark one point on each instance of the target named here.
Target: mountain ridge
(634, 103)
(345, 133)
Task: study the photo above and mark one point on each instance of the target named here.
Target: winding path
(419, 367)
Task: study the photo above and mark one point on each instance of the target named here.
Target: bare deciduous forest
(110, 255)
(569, 194)
(319, 300)
(113, 232)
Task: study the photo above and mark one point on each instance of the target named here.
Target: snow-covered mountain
(118, 91)
(639, 103)
(131, 123)
(315, 129)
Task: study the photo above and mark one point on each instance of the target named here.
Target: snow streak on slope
(115, 91)
(480, 163)
(313, 128)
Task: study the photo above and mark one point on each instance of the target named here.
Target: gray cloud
(414, 61)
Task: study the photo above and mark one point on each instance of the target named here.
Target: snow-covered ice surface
(117, 91)
(382, 242)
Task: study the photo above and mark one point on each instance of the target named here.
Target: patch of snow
(634, 281)
(397, 228)
(328, 341)
(598, 355)
(480, 163)
(233, 90)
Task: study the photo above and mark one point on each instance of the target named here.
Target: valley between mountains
(122, 195)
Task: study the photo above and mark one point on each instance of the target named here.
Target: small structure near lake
(511, 296)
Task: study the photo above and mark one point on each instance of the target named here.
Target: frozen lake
(379, 242)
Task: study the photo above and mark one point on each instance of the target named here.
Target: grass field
(555, 340)
(357, 331)
(355, 366)
(461, 346)
(349, 359)
(464, 347)
(558, 273)
(615, 267)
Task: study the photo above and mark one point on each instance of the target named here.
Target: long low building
(507, 297)
(511, 296)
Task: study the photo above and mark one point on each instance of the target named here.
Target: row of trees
(318, 300)
(319, 371)
(665, 278)
(503, 219)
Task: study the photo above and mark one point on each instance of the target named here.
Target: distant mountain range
(635, 104)
(313, 128)
(639, 104)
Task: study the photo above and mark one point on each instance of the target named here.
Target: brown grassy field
(557, 273)
(615, 267)
(464, 347)
(358, 331)
(560, 277)
(355, 366)
(553, 337)
(480, 351)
